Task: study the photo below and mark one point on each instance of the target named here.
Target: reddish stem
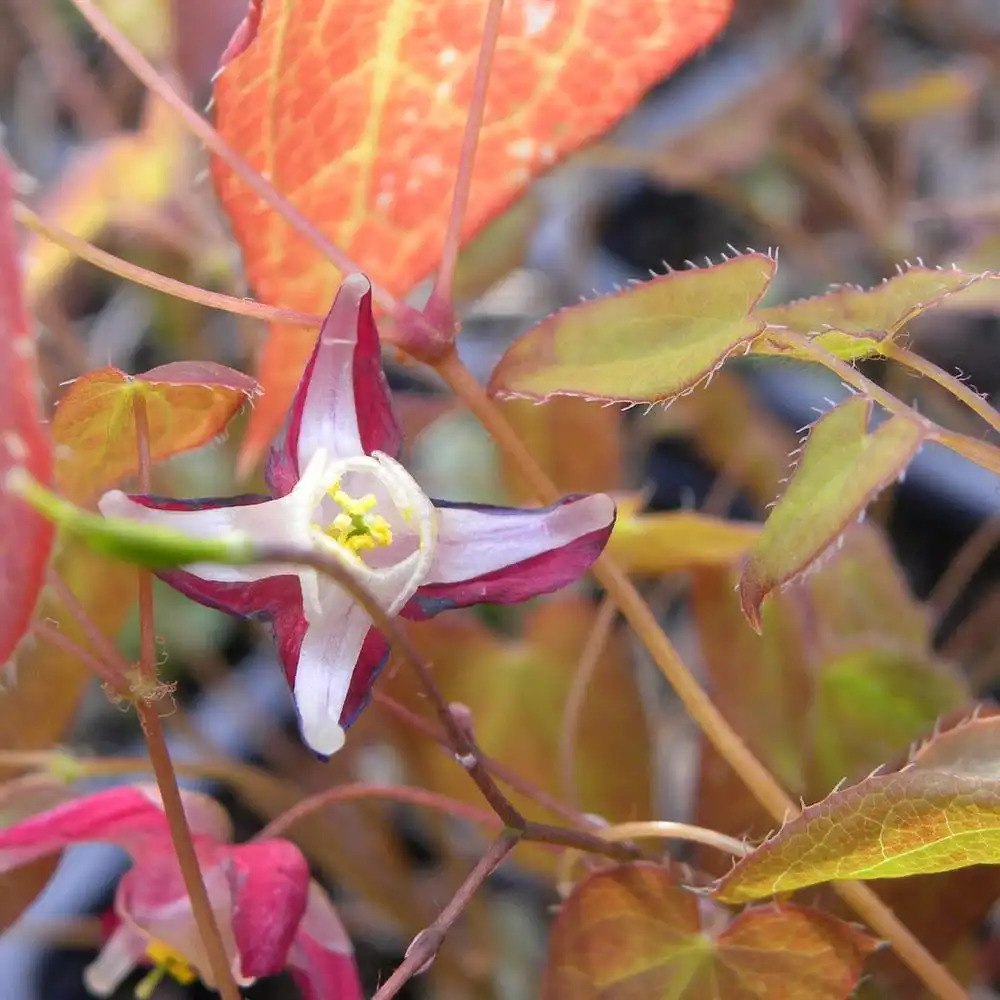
(159, 755)
(425, 945)
(394, 793)
(440, 307)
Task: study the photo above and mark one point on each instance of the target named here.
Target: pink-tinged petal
(321, 959)
(129, 816)
(152, 899)
(124, 949)
(504, 555)
(331, 650)
(371, 660)
(276, 601)
(343, 401)
(266, 520)
(269, 881)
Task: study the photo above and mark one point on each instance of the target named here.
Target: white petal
(474, 542)
(329, 411)
(123, 951)
(326, 664)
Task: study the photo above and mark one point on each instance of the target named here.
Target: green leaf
(853, 323)
(872, 702)
(632, 932)
(649, 343)
(842, 469)
(939, 812)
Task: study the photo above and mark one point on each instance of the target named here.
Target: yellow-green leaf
(648, 343)
(842, 468)
(671, 541)
(632, 932)
(939, 812)
(853, 322)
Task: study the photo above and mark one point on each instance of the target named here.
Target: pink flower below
(271, 916)
(337, 485)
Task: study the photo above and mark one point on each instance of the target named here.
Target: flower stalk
(159, 755)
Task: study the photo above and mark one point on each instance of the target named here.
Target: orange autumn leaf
(632, 932)
(355, 112)
(187, 405)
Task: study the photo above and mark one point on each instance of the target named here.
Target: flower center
(166, 961)
(355, 528)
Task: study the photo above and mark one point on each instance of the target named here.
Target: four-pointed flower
(271, 916)
(337, 485)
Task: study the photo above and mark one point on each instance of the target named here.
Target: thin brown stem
(699, 706)
(187, 857)
(425, 945)
(393, 793)
(949, 383)
(964, 566)
(161, 86)
(159, 282)
(497, 768)
(440, 307)
(159, 755)
(590, 658)
(105, 648)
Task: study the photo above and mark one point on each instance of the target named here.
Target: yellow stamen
(355, 528)
(167, 961)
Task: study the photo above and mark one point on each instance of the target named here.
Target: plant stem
(159, 755)
(699, 706)
(393, 793)
(589, 660)
(963, 567)
(440, 308)
(425, 945)
(499, 770)
(949, 383)
(159, 282)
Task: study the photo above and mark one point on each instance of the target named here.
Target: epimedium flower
(337, 485)
(270, 914)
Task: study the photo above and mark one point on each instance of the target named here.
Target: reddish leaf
(936, 814)
(26, 537)
(355, 112)
(632, 932)
(187, 405)
(649, 343)
(844, 466)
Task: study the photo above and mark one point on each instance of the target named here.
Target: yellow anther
(166, 961)
(355, 528)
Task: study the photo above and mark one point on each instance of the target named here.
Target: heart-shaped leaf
(355, 110)
(649, 343)
(853, 323)
(26, 537)
(843, 467)
(632, 932)
(187, 405)
(939, 812)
